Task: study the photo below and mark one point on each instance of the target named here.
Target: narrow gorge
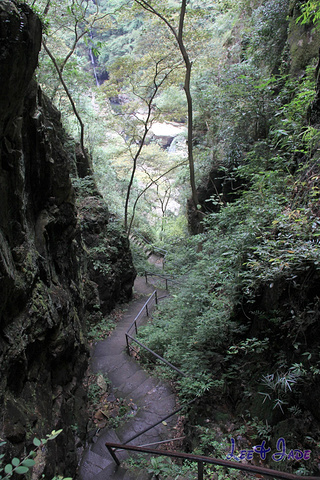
(49, 289)
(232, 205)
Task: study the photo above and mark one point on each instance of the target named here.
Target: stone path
(153, 399)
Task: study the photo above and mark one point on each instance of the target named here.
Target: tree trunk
(179, 38)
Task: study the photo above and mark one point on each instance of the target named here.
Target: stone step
(140, 390)
(107, 436)
(112, 472)
(107, 347)
(131, 385)
(119, 473)
(131, 429)
(167, 405)
(92, 464)
(121, 365)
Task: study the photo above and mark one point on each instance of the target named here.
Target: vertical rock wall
(44, 281)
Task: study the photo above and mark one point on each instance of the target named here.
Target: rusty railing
(201, 460)
(145, 310)
(166, 278)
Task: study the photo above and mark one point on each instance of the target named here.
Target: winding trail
(152, 398)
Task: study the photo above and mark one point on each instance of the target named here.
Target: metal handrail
(163, 441)
(144, 309)
(161, 251)
(201, 459)
(163, 277)
(154, 354)
(171, 414)
(153, 274)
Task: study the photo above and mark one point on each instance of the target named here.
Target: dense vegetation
(244, 320)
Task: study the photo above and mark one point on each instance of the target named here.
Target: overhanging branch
(73, 105)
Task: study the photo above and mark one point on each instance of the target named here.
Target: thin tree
(80, 28)
(164, 201)
(152, 182)
(179, 37)
(165, 197)
(161, 74)
(73, 105)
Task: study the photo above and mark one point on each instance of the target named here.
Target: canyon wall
(49, 290)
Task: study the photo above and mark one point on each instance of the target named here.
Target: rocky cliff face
(46, 292)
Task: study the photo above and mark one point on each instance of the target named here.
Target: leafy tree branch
(74, 108)
(147, 188)
(157, 83)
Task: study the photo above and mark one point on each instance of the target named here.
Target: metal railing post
(157, 356)
(128, 346)
(200, 470)
(147, 311)
(156, 296)
(166, 284)
(113, 455)
(159, 421)
(135, 324)
(146, 275)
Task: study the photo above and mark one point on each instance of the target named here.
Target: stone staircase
(155, 256)
(146, 247)
(151, 398)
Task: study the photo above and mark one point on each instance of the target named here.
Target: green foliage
(163, 467)
(264, 40)
(279, 385)
(22, 467)
(235, 110)
(84, 187)
(310, 13)
(289, 131)
(171, 102)
(120, 40)
(139, 259)
(250, 345)
(102, 329)
(96, 388)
